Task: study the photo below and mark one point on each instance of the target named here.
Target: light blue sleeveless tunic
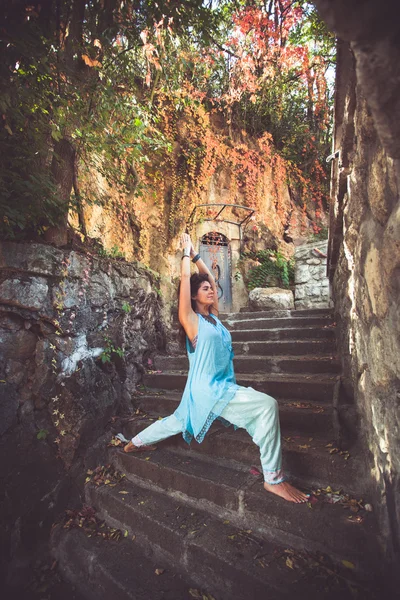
(211, 382)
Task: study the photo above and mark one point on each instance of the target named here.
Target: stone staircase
(201, 513)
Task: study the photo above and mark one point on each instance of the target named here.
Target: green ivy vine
(274, 270)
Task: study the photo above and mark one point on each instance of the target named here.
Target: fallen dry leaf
(289, 563)
(104, 475)
(254, 471)
(348, 564)
(355, 519)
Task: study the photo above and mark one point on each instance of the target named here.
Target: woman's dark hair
(195, 282)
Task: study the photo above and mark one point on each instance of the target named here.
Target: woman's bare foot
(132, 448)
(287, 491)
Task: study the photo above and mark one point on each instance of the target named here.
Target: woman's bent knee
(269, 403)
(271, 408)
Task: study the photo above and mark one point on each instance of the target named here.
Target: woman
(211, 391)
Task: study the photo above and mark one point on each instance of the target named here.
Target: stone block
(74, 294)
(313, 261)
(101, 290)
(35, 258)
(15, 372)
(318, 272)
(125, 286)
(29, 293)
(304, 251)
(19, 346)
(10, 322)
(303, 303)
(79, 265)
(300, 292)
(302, 274)
(271, 299)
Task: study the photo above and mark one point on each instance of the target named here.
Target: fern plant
(275, 270)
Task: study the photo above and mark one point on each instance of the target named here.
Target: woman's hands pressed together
(186, 244)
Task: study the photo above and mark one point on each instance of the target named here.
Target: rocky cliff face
(139, 226)
(364, 245)
(74, 333)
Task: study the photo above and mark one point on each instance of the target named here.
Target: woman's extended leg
(157, 431)
(258, 414)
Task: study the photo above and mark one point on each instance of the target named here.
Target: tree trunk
(78, 197)
(62, 169)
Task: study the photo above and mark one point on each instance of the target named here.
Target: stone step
(299, 387)
(295, 416)
(187, 536)
(272, 314)
(217, 554)
(222, 490)
(270, 323)
(260, 364)
(307, 459)
(107, 570)
(284, 347)
(290, 334)
(283, 313)
(293, 333)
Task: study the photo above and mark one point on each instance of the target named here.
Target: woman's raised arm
(186, 315)
(203, 269)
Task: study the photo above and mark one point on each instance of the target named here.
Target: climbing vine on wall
(273, 269)
(157, 99)
(236, 124)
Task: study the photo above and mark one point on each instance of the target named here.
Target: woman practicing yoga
(211, 390)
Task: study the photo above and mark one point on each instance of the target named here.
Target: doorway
(215, 252)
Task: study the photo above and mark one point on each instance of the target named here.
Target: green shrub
(109, 350)
(274, 270)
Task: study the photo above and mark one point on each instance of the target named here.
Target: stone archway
(215, 251)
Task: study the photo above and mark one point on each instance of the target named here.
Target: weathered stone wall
(61, 315)
(364, 245)
(311, 281)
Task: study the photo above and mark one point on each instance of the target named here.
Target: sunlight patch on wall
(351, 294)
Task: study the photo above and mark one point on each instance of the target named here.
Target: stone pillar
(311, 281)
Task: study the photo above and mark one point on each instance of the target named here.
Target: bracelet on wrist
(185, 256)
(196, 258)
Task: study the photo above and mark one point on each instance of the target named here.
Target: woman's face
(205, 294)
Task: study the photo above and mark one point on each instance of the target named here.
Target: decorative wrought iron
(220, 208)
